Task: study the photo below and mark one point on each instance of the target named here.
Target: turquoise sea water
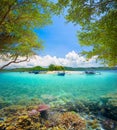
(15, 86)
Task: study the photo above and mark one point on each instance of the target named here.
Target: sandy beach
(67, 72)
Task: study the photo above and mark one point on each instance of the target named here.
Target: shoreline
(67, 72)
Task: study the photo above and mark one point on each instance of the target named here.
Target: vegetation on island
(36, 68)
(57, 68)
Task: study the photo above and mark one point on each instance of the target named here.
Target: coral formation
(18, 118)
(110, 106)
(63, 114)
(4, 103)
(72, 121)
(94, 124)
(42, 108)
(32, 112)
(21, 122)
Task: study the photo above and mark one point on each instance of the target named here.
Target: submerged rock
(110, 106)
(109, 124)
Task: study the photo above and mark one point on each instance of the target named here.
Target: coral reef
(109, 124)
(48, 98)
(4, 103)
(72, 121)
(93, 124)
(30, 118)
(33, 114)
(109, 107)
(26, 101)
(17, 118)
(42, 108)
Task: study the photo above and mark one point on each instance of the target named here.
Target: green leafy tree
(54, 67)
(51, 67)
(98, 21)
(18, 19)
(59, 68)
(103, 37)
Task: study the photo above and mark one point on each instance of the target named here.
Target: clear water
(16, 85)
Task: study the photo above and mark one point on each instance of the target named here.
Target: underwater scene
(50, 102)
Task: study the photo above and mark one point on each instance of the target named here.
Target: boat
(61, 74)
(34, 72)
(38, 72)
(90, 72)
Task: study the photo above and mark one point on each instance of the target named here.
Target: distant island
(57, 68)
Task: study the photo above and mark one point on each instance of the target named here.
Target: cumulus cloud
(72, 59)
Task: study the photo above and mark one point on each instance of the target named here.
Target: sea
(15, 86)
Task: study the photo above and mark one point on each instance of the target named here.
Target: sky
(60, 38)
(61, 47)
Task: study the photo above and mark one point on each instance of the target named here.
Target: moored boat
(90, 72)
(61, 74)
(34, 72)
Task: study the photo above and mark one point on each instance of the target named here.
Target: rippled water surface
(15, 85)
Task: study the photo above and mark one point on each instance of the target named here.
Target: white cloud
(72, 59)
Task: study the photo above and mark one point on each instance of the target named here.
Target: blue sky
(61, 47)
(59, 38)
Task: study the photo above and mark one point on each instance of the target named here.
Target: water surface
(17, 85)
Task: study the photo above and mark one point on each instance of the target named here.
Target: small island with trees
(57, 68)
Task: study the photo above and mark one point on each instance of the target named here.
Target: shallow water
(17, 85)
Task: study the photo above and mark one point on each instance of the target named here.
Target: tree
(18, 19)
(51, 67)
(103, 37)
(98, 19)
(55, 67)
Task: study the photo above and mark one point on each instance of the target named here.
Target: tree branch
(26, 59)
(7, 12)
(14, 61)
(12, 7)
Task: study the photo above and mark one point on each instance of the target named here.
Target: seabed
(56, 112)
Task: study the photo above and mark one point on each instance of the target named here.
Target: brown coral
(94, 124)
(71, 121)
(18, 118)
